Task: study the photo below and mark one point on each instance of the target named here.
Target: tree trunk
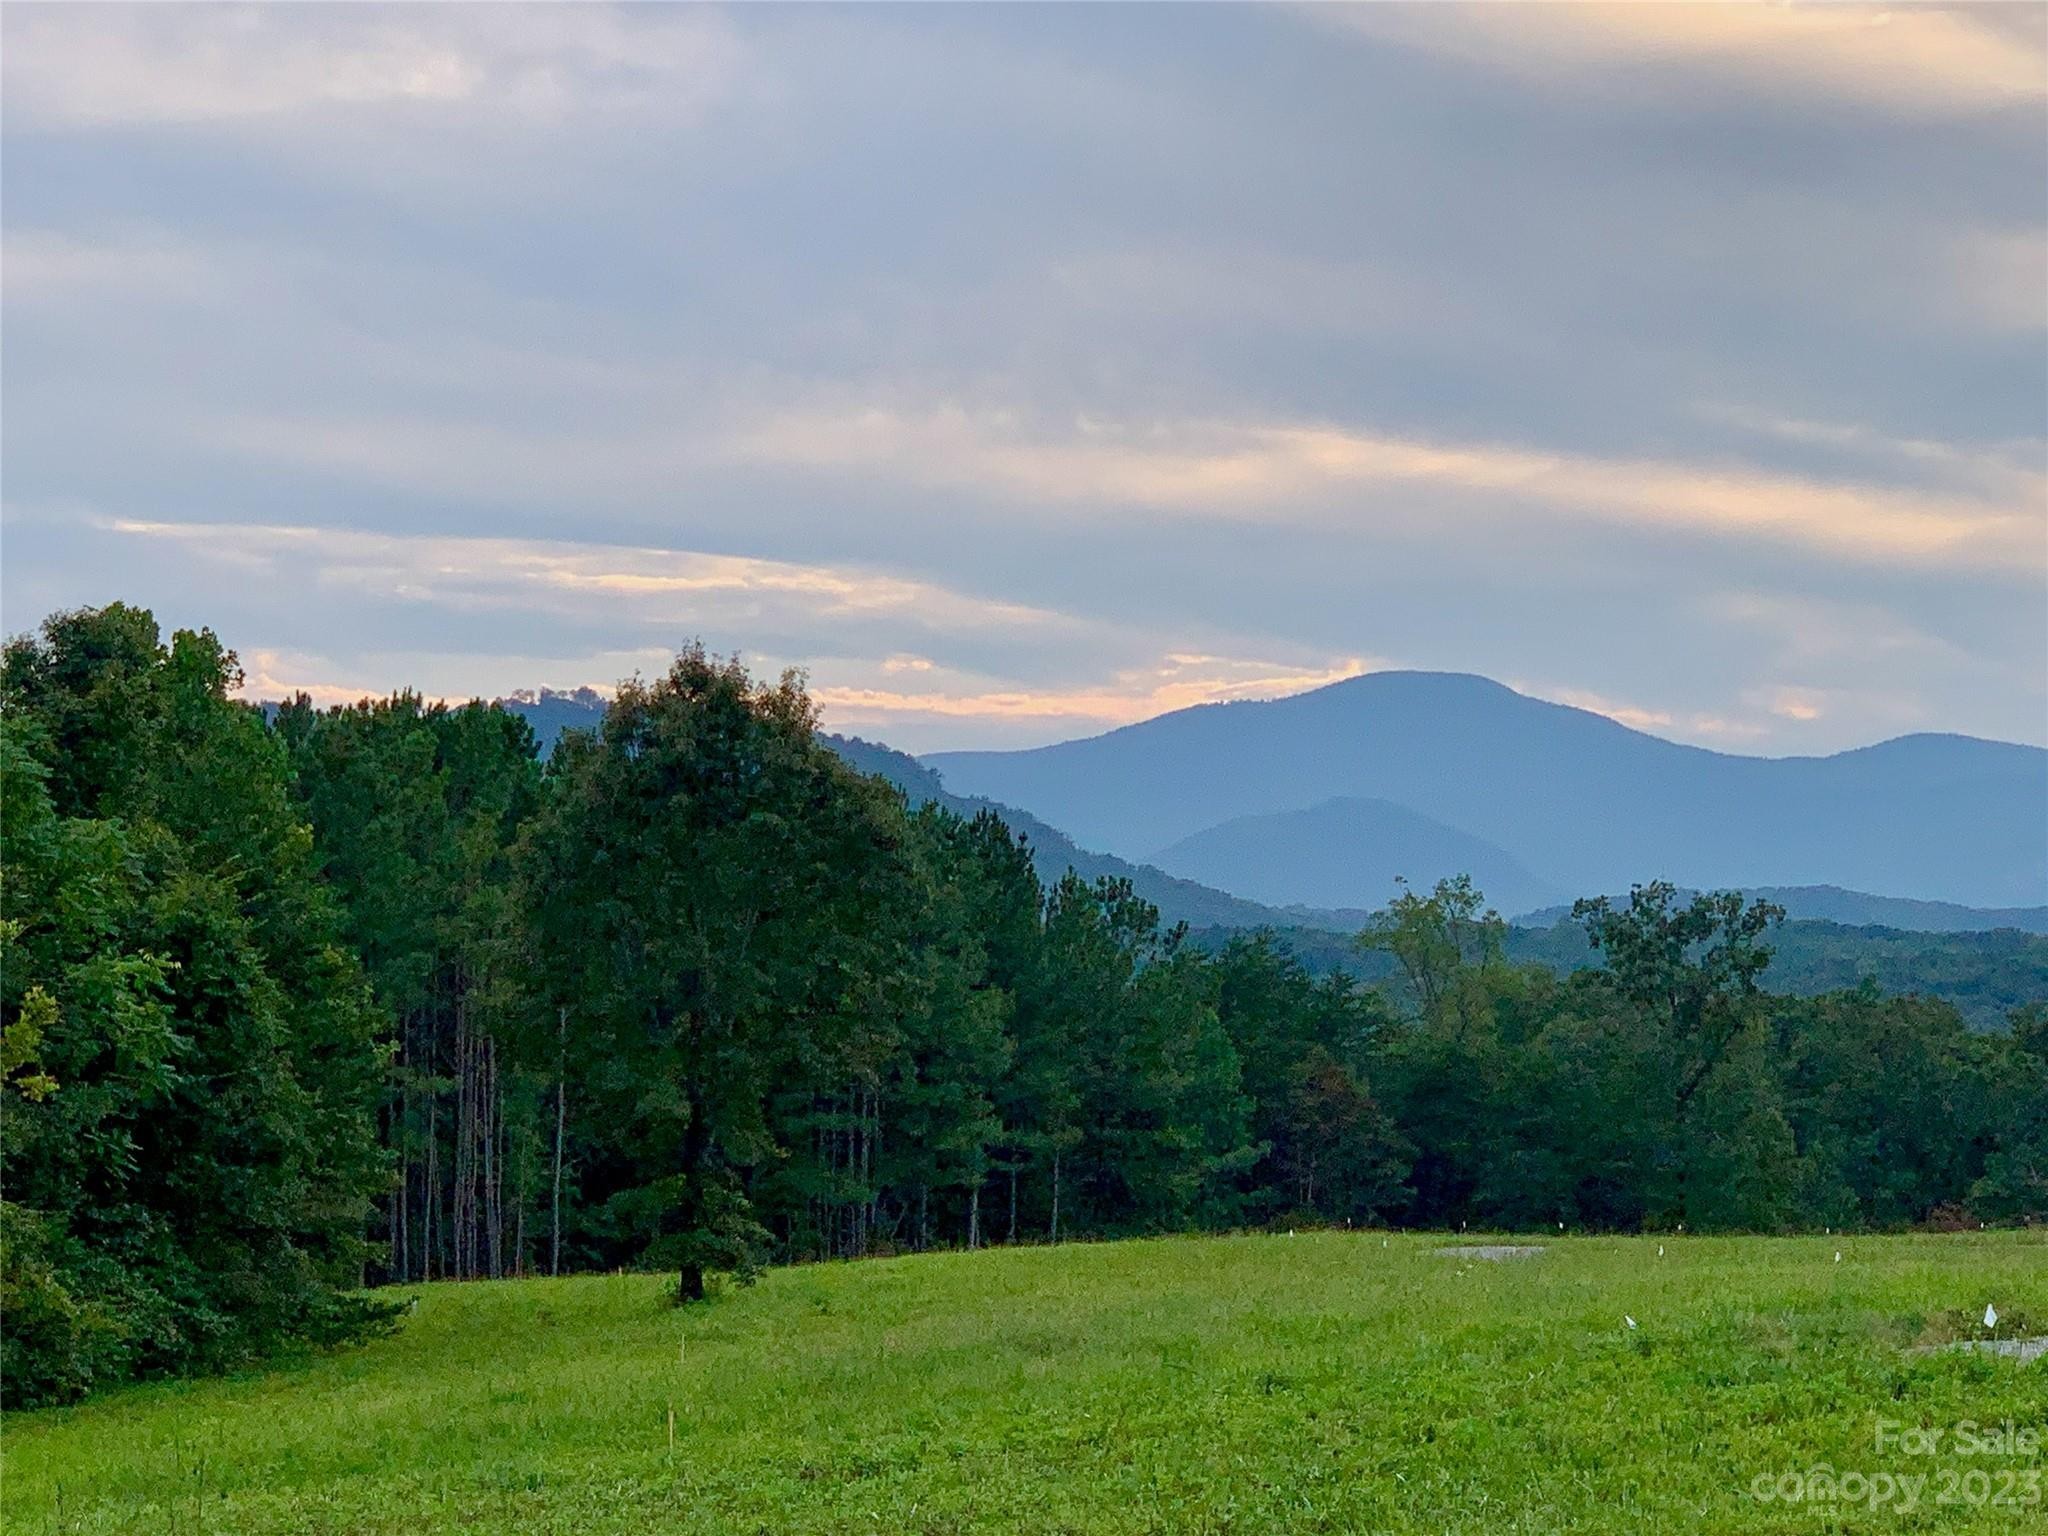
(430, 1203)
(401, 1238)
(494, 1163)
(874, 1145)
(1055, 1197)
(696, 1161)
(519, 1221)
(458, 1194)
(864, 1161)
(561, 1116)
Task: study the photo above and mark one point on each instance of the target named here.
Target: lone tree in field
(706, 884)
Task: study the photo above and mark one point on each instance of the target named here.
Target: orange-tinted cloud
(1289, 473)
(1136, 695)
(1911, 60)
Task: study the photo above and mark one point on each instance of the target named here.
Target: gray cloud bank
(1024, 371)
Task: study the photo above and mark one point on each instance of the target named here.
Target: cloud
(647, 586)
(1375, 349)
(538, 421)
(1701, 727)
(1915, 61)
(126, 66)
(2002, 279)
(1179, 682)
(49, 267)
(1803, 633)
(682, 592)
(2011, 471)
(115, 65)
(1816, 663)
(1291, 472)
(1797, 703)
(271, 675)
(1262, 289)
(1634, 715)
(1121, 699)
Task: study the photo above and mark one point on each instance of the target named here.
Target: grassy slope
(1245, 1384)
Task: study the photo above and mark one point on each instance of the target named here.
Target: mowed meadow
(1330, 1381)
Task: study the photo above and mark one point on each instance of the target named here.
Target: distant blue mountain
(1583, 802)
(550, 712)
(1349, 853)
(1328, 865)
(1053, 853)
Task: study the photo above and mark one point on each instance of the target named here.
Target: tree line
(1985, 973)
(295, 1008)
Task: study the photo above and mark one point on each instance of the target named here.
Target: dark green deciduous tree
(1688, 976)
(194, 1192)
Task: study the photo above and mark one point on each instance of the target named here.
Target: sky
(1023, 372)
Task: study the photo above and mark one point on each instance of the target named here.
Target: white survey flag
(1991, 1317)
(1627, 1319)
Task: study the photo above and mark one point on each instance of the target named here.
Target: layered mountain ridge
(1329, 860)
(1580, 801)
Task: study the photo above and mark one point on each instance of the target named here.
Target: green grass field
(1313, 1383)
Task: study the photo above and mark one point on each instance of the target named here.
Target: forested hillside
(1859, 909)
(369, 994)
(1983, 976)
(1349, 851)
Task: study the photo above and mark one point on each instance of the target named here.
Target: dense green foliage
(1984, 976)
(416, 808)
(369, 994)
(1323, 1383)
(190, 1162)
